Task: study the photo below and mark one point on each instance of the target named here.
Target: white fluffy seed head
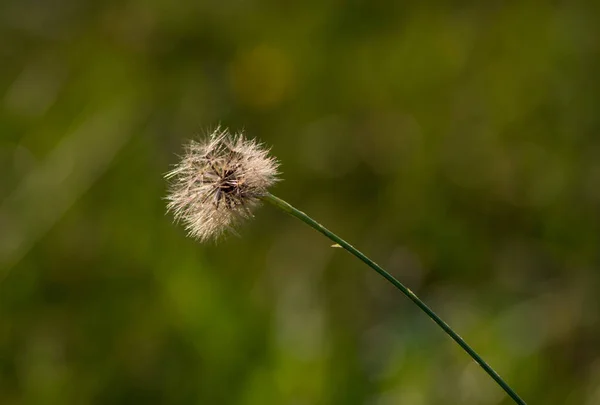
(218, 181)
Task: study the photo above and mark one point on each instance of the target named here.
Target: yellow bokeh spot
(261, 77)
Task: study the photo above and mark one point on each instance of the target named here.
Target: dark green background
(456, 144)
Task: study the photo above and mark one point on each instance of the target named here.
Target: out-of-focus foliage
(456, 144)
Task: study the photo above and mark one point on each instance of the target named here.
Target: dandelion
(220, 180)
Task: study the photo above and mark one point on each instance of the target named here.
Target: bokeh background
(456, 144)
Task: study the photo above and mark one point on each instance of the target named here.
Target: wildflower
(218, 182)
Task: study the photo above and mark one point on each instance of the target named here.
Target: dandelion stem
(283, 205)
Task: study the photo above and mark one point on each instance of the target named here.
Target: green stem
(283, 205)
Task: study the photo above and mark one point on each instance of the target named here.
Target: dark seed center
(229, 182)
(228, 187)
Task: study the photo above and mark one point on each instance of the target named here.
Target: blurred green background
(456, 144)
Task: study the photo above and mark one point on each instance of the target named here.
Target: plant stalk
(283, 205)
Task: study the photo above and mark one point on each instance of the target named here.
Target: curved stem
(283, 205)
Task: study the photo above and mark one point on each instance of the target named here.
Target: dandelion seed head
(218, 182)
